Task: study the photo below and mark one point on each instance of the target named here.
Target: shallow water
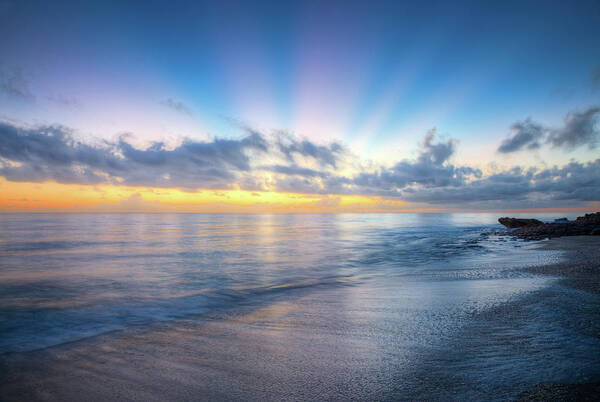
(307, 306)
(68, 276)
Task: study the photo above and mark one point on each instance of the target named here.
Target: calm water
(415, 306)
(65, 277)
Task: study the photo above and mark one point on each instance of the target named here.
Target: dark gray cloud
(526, 134)
(438, 153)
(14, 85)
(521, 188)
(177, 106)
(295, 150)
(325, 155)
(52, 153)
(580, 129)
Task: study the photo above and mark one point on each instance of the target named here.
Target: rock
(512, 223)
(532, 229)
(589, 219)
(561, 220)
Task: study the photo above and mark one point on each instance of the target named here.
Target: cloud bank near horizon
(281, 162)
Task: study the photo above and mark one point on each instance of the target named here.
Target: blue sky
(374, 76)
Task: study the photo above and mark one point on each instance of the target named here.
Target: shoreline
(227, 357)
(581, 271)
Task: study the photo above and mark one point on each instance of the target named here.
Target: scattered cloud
(177, 106)
(580, 129)
(62, 100)
(526, 134)
(323, 154)
(14, 84)
(436, 153)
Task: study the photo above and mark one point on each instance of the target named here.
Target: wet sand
(325, 345)
(581, 271)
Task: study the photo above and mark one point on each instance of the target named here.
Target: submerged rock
(512, 223)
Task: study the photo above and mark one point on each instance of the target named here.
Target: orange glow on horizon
(56, 197)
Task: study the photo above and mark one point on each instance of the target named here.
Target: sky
(324, 106)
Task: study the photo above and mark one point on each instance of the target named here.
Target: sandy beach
(312, 347)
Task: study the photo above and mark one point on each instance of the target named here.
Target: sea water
(289, 306)
(65, 277)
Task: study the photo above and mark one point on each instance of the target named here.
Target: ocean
(380, 301)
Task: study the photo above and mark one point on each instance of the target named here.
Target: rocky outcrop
(589, 224)
(589, 219)
(512, 223)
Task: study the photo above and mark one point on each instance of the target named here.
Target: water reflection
(67, 276)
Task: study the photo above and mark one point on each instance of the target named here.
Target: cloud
(62, 100)
(257, 162)
(324, 155)
(525, 134)
(177, 106)
(294, 170)
(295, 151)
(438, 153)
(13, 84)
(580, 129)
(431, 169)
(53, 153)
(556, 186)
